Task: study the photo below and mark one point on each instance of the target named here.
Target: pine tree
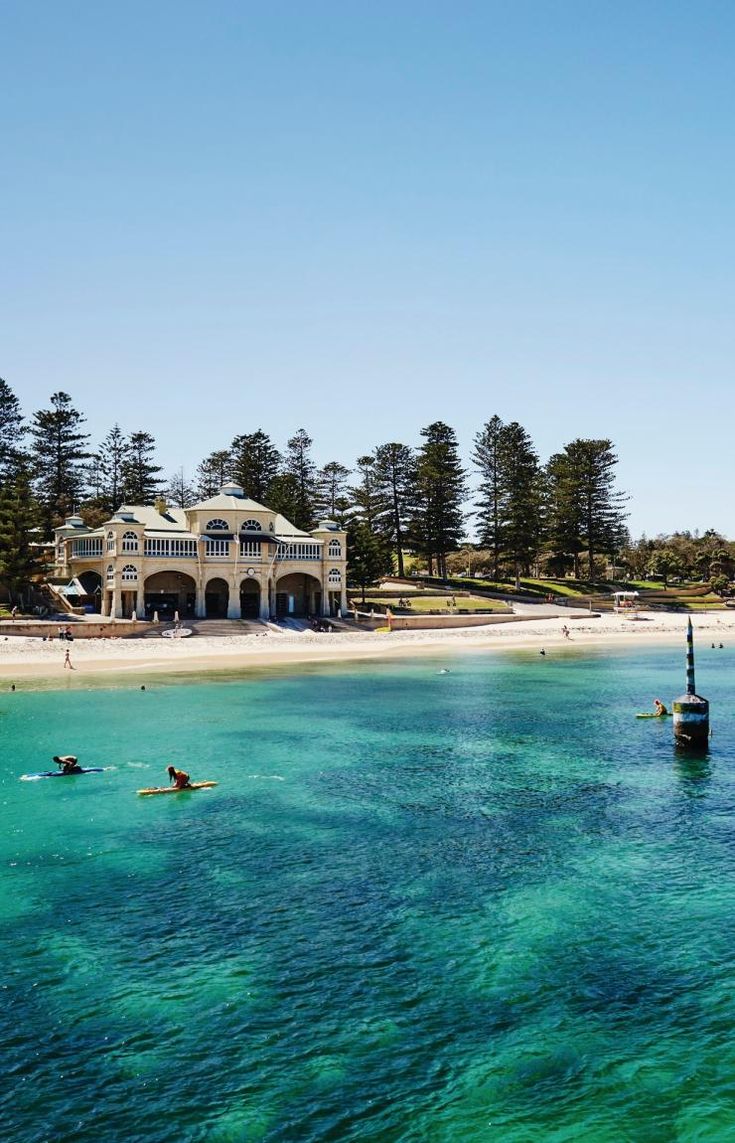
(213, 472)
(254, 464)
(489, 458)
(524, 504)
(586, 512)
(332, 500)
(179, 492)
(140, 474)
(12, 431)
(438, 523)
(59, 456)
(511, 495)
(110, 460)
(365, 506)
(20, 523)
(298, 464)
(395, 477)
(368, 556)
(283, 495)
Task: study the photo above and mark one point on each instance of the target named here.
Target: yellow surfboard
(176, 789)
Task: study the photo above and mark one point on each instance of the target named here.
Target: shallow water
(486, 905)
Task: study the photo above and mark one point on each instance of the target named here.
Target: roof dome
(232, 489)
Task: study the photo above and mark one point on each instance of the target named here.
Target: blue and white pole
(691, 711)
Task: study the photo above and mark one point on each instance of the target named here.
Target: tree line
(398, 500)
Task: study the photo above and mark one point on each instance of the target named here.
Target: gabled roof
(172, 520)
(223, 502)
(286, 529)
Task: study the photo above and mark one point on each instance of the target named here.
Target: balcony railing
(171, 549)
(250, 549)
(86, 549)
(300, 551)
(219, 549)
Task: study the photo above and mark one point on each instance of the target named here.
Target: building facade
(226, 557)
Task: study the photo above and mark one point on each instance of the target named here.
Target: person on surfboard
(180, 778)
(69, 763)
(659, 709)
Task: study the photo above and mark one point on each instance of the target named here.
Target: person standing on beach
(67, 660)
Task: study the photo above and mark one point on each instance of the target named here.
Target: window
(251, 526)
(218, 526)
(111, 541)
(335, 576)
(129, 573)
(110, 572)
(335, 549)
(250, 549)
(130, 542)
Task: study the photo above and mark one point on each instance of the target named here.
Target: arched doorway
(91, 581)
(298, 594)
(168, 592)
(250, 598)
(216, 599)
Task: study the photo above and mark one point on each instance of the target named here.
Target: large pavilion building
(225, 557)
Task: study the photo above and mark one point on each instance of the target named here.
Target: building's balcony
(217, 549)
(171, 549)
(300, 551)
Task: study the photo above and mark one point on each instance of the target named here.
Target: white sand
(22, 657)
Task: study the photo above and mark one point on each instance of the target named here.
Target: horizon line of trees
(565, 515)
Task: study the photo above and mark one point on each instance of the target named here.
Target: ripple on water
(415, 909)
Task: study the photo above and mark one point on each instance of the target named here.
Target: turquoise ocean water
(486, 905)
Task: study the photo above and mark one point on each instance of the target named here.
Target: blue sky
(360, 218)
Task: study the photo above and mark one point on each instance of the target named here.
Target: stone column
(140, 600)
(104, 601)
(343, 596)
(265, 606)
(233, 600)
(116, 607)
(325, 598)
(200, 606)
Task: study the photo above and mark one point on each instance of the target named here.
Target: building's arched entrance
(250, 598)
(298, 594)
(168, 592)
(216, 599)
(91, 581)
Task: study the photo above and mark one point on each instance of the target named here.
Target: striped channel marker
(691, 711)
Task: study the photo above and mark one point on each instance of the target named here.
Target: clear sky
(362, 217)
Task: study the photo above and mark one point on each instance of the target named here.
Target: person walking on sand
(67, 660)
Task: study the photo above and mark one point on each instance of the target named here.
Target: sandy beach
(22, 657)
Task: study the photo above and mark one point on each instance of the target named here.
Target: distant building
(226, 557)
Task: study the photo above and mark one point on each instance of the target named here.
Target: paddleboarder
(69, 763)
(180, 778)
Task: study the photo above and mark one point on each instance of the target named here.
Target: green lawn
(424, 603)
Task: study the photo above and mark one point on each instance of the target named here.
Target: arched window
(335, 576)
(218, 526)
(251, 526)
(111, 541)
(129, 573)
(335, 549)
(110, 572)
(129, 542)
